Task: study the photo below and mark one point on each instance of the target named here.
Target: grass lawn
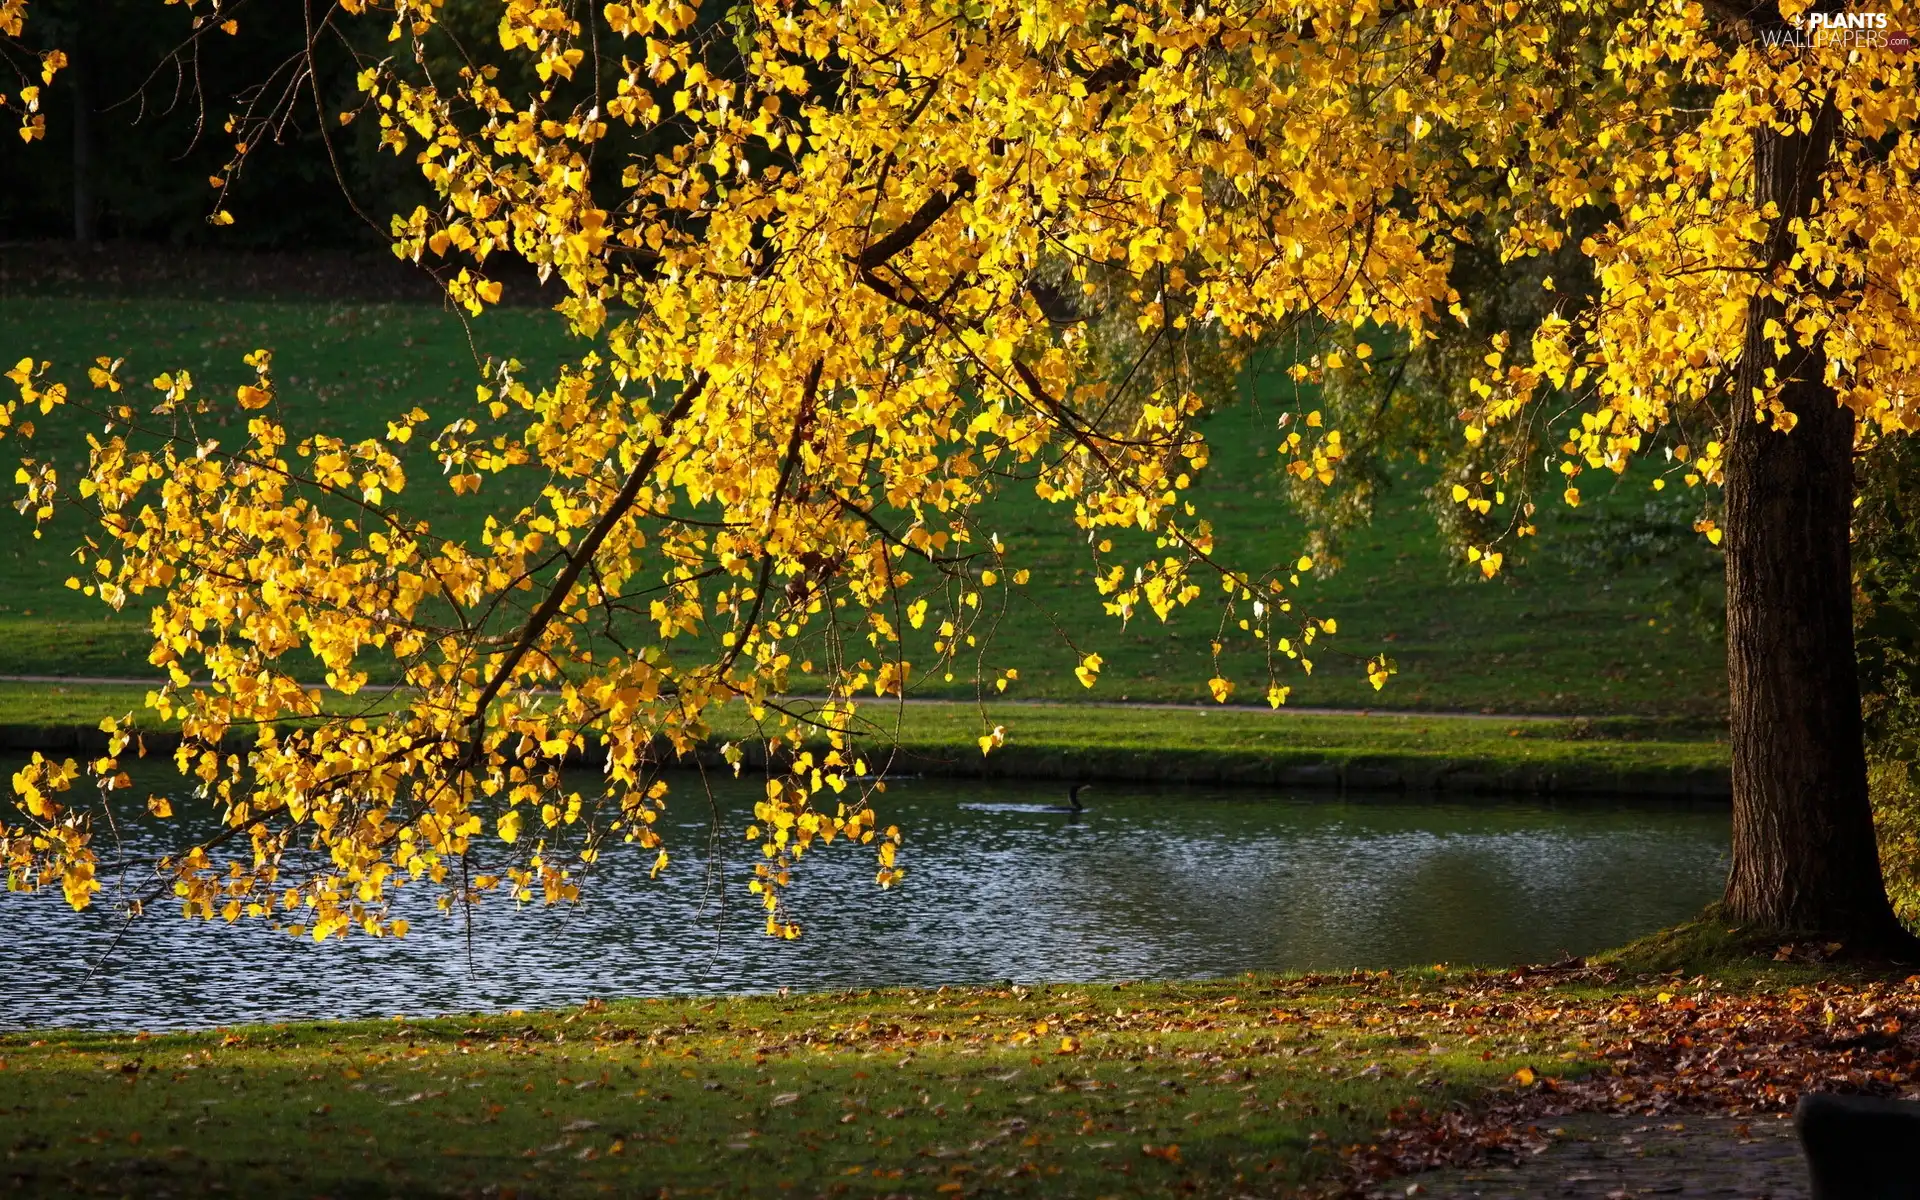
(1562, 635)
(1247, 1086)
(1092, 742)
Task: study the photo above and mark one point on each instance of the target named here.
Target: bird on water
(1073, 804)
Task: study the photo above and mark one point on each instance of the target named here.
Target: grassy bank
(1582, 628)
(1250, 1086)
(1135, 743)
(1239, 745)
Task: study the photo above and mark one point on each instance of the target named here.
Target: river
(1149, 882)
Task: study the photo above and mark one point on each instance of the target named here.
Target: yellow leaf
(1088, 670)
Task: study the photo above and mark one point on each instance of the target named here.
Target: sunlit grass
(1561, 635)
(1100, 742)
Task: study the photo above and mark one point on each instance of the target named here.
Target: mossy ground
(1714, 947)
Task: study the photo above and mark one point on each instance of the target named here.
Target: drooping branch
(802, 420)
(931, 209)
(562, 585)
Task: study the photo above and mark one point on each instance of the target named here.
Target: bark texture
(82, 123)
(1804, 855)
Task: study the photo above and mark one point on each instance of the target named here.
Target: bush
(1886, 566)
(1896, 819)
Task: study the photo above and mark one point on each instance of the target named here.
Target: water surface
(1148, 883)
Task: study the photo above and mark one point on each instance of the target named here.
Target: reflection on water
(1147, 883)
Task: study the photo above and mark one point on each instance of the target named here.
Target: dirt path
(1612, 1158)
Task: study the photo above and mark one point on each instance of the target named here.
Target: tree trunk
(1804, 856)
(83, 201)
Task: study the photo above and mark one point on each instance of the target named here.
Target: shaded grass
(1245, 1086)
(1566, 634)
(1116, 742)
(1711, 946)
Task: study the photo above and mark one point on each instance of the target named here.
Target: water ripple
(1166, 883)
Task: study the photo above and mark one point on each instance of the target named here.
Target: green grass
(1228, 745)
(1118, 742)
(1711, 946)
(1560, 635)
(67, 705)
(1251, 1086)
(1242, 1086)
(1715, 948)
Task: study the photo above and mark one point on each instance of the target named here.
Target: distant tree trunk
(1804, 856)
(83, 202)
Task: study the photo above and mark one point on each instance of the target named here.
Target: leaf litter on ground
(1259, 1085)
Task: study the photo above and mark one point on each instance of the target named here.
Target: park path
(1605, 1157)
(997, 702)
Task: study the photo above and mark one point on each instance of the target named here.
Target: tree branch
(589, 546)
(931, 209)
(802, 420)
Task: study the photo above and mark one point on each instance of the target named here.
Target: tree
(865, 265)
(1804, 854)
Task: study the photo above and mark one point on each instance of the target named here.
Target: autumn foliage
(859, 266)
